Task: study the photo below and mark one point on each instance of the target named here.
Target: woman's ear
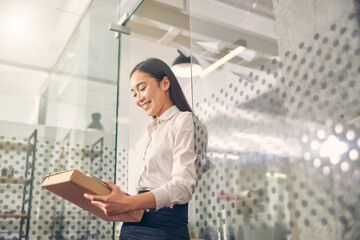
(165, 83)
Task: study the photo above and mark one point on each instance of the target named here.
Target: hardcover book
(72, 184)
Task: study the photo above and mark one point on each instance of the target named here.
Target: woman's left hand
(112, 204)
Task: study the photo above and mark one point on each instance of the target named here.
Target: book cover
(72, 184)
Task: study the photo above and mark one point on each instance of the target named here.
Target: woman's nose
(139, 98)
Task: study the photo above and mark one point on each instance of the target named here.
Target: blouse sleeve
(180, 189)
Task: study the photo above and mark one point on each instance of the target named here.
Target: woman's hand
(112, 204)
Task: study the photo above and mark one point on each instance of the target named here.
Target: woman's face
(152, 96)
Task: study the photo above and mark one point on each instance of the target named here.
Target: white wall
(19, 93)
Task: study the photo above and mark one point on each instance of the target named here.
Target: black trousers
(166, 223)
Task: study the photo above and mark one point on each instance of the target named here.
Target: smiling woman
(150, 95)
(159, 70)
(168, 170)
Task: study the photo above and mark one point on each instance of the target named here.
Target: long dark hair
(158, 70)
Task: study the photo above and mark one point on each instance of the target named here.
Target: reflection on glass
(283, 143)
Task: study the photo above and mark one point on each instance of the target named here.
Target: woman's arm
(180, 188)
(118, 202)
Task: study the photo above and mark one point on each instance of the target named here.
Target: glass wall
(58, 99)
(282, 115)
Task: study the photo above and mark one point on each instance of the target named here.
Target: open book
(72, 184)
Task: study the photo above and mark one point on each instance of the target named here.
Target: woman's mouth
(145, 105)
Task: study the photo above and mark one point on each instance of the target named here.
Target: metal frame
(29, 170)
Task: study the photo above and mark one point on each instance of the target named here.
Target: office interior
(275, 83)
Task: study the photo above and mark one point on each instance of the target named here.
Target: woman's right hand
(115, 203)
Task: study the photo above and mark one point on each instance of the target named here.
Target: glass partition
(279, 97)
(59, 101)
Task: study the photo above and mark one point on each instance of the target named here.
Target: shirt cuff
(161, 198)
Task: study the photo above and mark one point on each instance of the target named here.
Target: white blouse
(167, 158)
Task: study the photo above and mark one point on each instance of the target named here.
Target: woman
(168, 176)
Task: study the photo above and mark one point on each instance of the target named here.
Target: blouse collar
(169, 113)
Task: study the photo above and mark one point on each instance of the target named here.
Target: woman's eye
(134, 95)
(143, 89)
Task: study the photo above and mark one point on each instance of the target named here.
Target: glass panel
(128, 7)
(282, 114)
(58, 99)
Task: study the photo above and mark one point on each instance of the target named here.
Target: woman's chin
(149, 113)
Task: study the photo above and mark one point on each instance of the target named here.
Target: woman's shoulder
(182, 118)
(183, 115)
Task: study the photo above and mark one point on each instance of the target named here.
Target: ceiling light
(333, 148)
(275, 175)
(222, 60)
(185, 67)
(16, 24)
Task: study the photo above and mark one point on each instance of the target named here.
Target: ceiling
(33, 33)
(216, 28)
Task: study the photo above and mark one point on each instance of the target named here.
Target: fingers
(88, 196)
(95, 197)
(102, 206)
(110, 204)
(114, 190)
(105, 206)
(111, 185)
(99, 204)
